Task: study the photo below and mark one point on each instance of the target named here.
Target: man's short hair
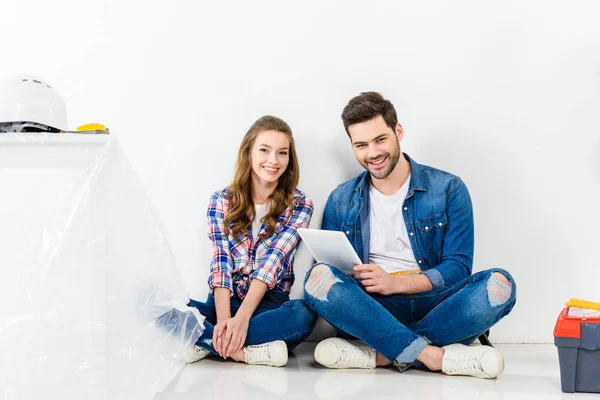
(366, 106)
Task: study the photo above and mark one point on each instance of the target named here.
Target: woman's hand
(219, 332)
(230, 334)
(235, 335)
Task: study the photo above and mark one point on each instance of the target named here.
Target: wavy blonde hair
(241, 204)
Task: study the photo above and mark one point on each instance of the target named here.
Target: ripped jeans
(400, 326)
(276, 318)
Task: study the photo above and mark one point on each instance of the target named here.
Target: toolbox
(577, 338)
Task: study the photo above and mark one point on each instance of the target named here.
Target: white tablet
(330, 247)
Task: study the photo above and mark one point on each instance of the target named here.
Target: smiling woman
(252, 225)
(269, 153)
(270, 158)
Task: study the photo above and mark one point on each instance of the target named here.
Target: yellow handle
(573, 302)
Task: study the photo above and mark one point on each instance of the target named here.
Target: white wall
(504, 94)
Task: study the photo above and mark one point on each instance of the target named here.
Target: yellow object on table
(91, 127)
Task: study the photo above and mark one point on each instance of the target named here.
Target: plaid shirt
(235, 263)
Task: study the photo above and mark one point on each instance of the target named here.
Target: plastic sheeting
(86, 269)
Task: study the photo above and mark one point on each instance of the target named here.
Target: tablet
(330, 247)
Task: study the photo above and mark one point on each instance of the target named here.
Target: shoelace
(353, 355)
(465, 362)
(258, 353)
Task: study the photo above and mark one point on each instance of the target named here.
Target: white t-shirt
(260, 210)
(390, 246)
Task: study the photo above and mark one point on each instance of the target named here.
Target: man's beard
(384, 173)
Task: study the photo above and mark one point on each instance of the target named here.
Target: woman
(252, 225)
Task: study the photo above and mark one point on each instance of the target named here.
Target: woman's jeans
(400, 326)
(276, 318)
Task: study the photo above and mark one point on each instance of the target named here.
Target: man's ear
(399, 132)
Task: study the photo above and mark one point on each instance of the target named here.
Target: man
(414, 301)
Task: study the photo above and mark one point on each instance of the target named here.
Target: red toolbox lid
(570, 326)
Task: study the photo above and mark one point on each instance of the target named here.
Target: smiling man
(414, 301)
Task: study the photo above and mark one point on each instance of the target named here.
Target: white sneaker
(477, 361)
(274, 354)
(195, 353)
(342, 353)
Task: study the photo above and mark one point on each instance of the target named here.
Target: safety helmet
(27, 102)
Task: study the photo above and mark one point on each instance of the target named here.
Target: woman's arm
(221, 267)
(221, 263)
(223, 307)
(268, 274)
(237, 327)
(222, 303)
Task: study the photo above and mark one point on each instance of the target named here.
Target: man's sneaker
(477, 361)
(342, 353)
(274, 354)
(193, 354)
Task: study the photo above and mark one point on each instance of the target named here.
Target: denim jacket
(438, 216)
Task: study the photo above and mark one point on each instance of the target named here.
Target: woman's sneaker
(477, 361)
(342, 353)
(274, 354)
(193, 354)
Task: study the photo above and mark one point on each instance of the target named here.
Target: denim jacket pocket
(432, 232)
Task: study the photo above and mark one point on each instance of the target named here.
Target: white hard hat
(25, 98)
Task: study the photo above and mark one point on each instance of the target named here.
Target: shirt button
(426, 228)
(440, 224)
(412, 234)
(420, 261)
(405, 208)
(347, 232)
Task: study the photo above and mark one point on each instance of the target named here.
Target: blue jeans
(276, 318)
(400, 326)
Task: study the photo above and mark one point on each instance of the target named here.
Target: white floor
(531, 371)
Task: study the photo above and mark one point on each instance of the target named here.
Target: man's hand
(375, 279)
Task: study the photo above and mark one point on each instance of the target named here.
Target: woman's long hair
(241, 204)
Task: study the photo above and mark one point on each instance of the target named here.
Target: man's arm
(457, 251)
(329, 222)
(411, 284)
(376, 280)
